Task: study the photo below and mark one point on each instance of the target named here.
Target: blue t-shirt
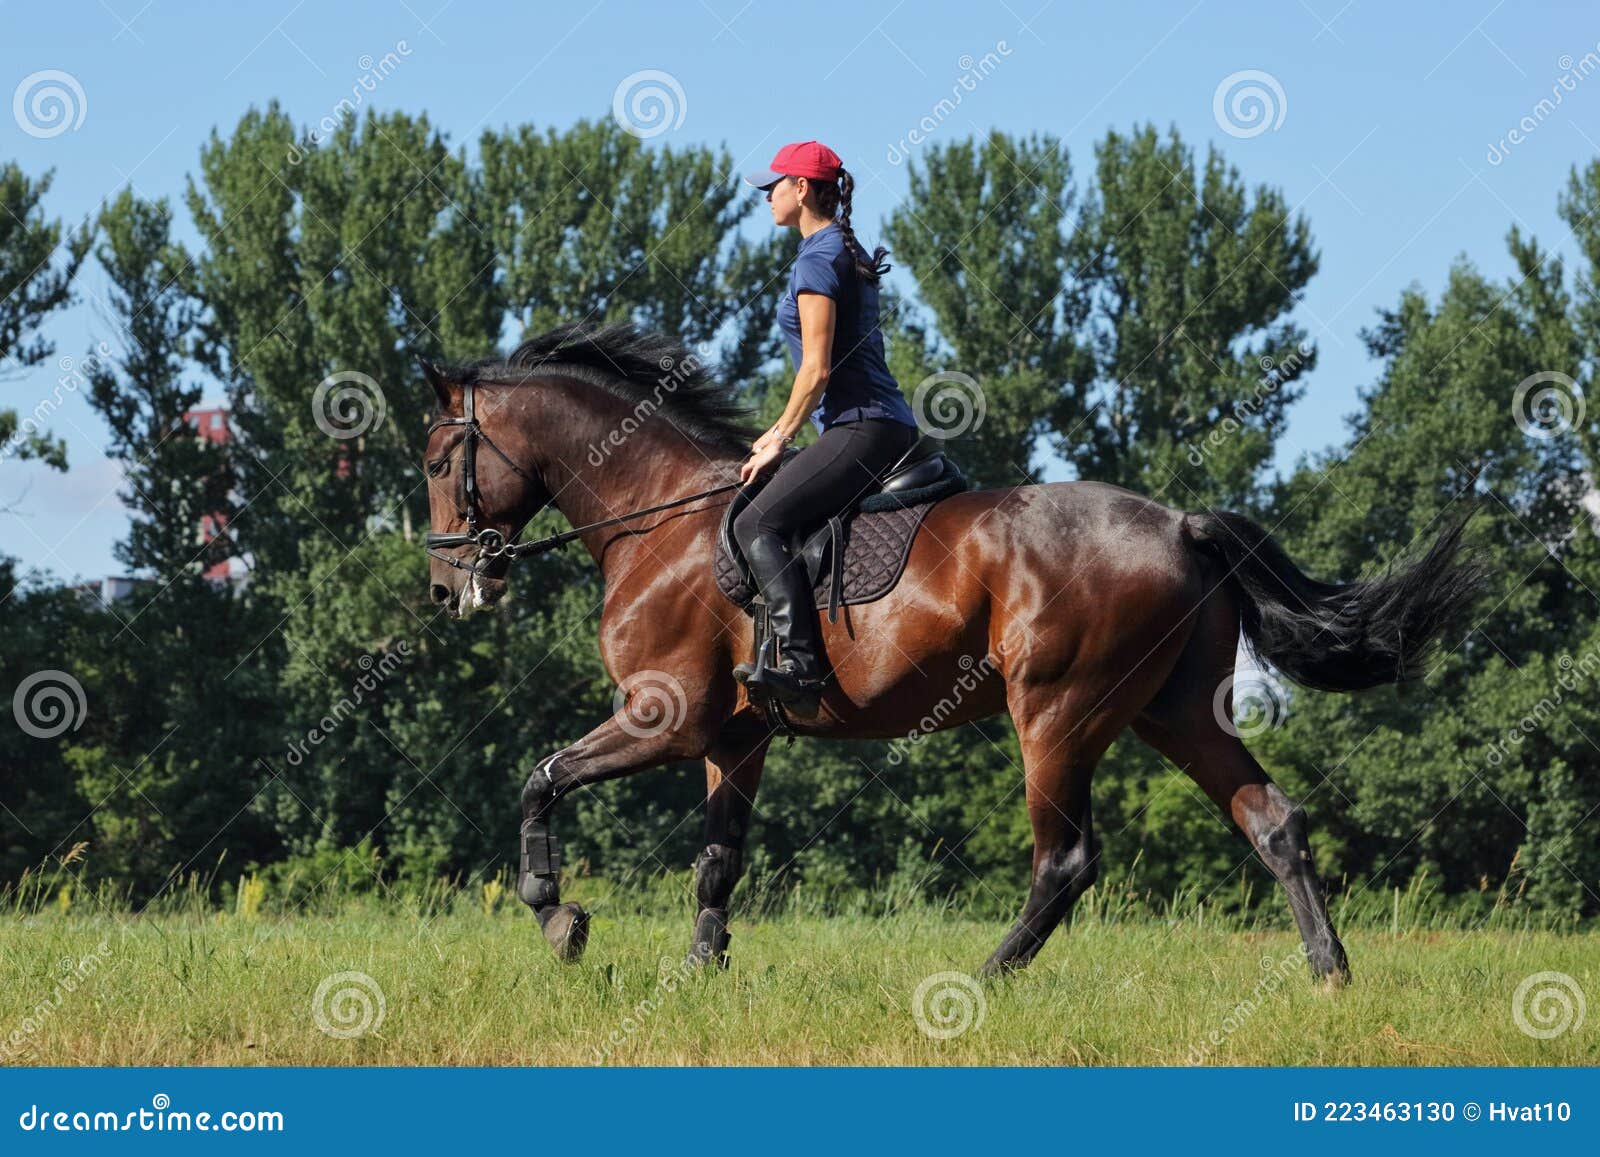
(859, 382)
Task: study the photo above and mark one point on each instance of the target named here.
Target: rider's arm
(817, 317)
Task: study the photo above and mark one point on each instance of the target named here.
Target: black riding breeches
(829, 476)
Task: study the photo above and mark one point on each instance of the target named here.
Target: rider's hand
(759, 461)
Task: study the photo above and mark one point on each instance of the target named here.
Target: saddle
(856, 556)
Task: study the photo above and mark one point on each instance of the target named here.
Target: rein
(491, 543)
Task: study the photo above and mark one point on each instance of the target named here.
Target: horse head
(483, 488)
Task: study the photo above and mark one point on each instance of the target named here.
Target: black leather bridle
(489, 542)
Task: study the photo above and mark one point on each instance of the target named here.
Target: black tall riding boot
(797, 676)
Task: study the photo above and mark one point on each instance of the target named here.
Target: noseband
(490, 543)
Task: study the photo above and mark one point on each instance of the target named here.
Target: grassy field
(473, 984)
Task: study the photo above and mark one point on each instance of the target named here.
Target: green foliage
(321, 729)
(34, 283)
(985, 231)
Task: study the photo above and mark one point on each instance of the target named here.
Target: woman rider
(829, 317)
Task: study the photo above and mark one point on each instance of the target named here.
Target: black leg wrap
(716, 871)
(538, 882)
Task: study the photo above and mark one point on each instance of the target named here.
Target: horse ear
(436, 379)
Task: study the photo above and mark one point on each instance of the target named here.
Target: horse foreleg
(620, 746)
(733, 773)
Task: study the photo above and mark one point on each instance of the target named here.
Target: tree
(33, 285)
(347, 255)
(1424, 778)
(985, 231)
(168, 762)
(1191, 278)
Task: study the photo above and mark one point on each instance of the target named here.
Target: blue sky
(1382, 134)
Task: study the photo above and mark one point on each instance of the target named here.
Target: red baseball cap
(811, 159)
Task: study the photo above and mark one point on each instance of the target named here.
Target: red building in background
(211, 425)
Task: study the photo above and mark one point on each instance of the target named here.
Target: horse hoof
(704, 956)
(997, 969)
(567, 929)
(1333, 980)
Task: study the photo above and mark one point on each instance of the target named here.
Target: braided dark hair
(834, 201)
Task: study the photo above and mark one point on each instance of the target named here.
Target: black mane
(638, 366)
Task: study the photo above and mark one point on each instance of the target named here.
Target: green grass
(466, 983)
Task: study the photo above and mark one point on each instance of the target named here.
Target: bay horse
(1086, 608)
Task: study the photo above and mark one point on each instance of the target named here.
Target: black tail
(1339, 637)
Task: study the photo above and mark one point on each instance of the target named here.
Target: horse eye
(437, 467)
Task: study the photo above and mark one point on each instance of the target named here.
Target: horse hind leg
(733, 773)
(1182, 724)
